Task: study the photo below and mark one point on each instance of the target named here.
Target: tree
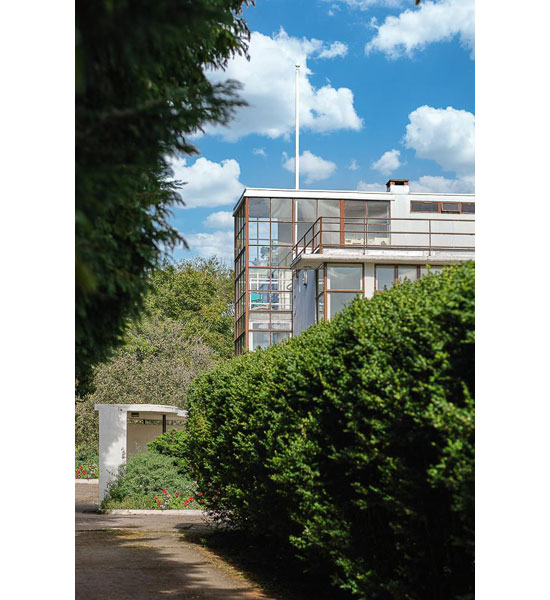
(140, 90)
(198, 293)
(185, 328)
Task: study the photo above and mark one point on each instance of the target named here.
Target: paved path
(143, 557)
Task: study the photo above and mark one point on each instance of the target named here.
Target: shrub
(353, 442)
(86, 463)
(145, 475)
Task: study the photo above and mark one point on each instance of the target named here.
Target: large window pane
(345, 277)
(259, 340)
(281, 325)
(281, 209)
(378, 209)
(329, 208)
(281, 279)
(301, 230)
(281, 233)
(258, 256)
(279, 337)
(281, 301)
(258, 208)
(259, 279)
(385, 276)
(259, 321)
(259, 300)
(407, 272)
(321, 308)
(306, 210)
(337, 301)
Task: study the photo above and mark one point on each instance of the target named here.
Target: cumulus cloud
(388, 162)
(367, 4)
(219, 220)
(353, 166)
(446, 135)
(436, 184)
(218, 243)
(259, 152)
(334, 50)
(414, 29)
(268, 80)
(208, 183)
(371, 187)
(313, 168)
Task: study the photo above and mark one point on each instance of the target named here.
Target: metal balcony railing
(430, 235)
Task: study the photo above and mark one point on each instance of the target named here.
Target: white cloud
(208, 183)
(388, 162)
(259, 152)
(429, 183)
(219, 243)
(219, 220)
(433, 22)
(353, 166)
(313, 168)
(371, 187)
(268, 80)
(446, 135)
(367, 4)
(335, 49)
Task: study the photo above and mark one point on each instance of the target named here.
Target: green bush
(144, 476)
(353, 443)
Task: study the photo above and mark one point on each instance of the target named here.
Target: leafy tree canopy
(140, 90)
(187, 327)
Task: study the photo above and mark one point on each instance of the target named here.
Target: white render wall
(113, 427)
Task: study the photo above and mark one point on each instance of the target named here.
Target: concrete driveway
(143, 557)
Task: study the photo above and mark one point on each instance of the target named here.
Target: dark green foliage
(354, 442)
(147, 474)
(140, 91)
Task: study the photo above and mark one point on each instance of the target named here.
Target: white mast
(297, 109)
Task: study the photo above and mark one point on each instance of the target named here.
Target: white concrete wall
(303, 301)
(112, 445)
(140, 434)
(370, 281)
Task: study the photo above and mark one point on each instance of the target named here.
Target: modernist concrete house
(302, 255)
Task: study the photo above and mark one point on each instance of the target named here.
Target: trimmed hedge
(354, 442)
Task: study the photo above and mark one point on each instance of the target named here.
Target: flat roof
(148, 411)
(343, 195)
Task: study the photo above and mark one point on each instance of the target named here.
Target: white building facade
(302, 255)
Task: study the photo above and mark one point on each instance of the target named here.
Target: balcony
(406, 239)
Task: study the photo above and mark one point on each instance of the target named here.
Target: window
(385, 277)
(450, 207)
(337, 301)
(258, 208)
(468, 207)
(431, 207)
(281, 209)
(345, 277)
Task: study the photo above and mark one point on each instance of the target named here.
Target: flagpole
(297, 109)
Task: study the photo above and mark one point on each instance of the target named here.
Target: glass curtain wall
(270, 239)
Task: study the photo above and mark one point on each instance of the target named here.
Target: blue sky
(387, 90)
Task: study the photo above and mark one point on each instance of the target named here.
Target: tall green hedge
(354, 442)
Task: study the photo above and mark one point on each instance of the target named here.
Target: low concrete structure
(126, 429)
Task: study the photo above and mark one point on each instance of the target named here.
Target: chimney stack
(398, 186)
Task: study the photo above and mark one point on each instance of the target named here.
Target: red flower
(177, 494)
(201, 494)
(78, 472)
(164, 492)
(186, 502)
(84, 472)
(154, 497)
(158, 502)
(191, 497)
